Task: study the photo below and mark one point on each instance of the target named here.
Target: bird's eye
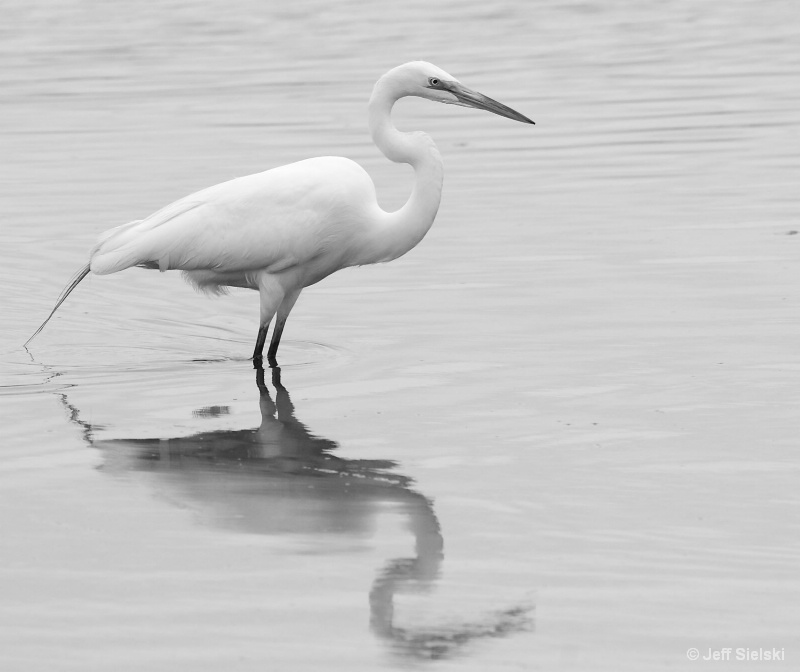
(433, 81)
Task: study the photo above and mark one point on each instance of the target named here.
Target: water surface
(559, 434)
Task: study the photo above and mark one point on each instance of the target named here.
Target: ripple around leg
(100, 359)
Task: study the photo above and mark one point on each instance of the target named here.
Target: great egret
(287, 228)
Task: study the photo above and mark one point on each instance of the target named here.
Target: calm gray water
(561, 434)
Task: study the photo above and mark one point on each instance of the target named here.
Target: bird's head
(425, 80)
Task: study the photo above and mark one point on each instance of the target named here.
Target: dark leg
(260, 340)
(280, 322)
(275, 342)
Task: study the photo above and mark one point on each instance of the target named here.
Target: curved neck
(403, 229)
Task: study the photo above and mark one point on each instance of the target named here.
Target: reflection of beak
(470, 98)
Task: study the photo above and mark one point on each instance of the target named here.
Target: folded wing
(270, 220)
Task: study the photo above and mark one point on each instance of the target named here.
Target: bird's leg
(260, 340)
(275, 342)
(283, 313)
(271, 295)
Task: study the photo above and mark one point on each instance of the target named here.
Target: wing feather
(270, 220)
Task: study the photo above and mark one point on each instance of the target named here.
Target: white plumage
(287, 228)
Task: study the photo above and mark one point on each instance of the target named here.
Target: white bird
(284, 229)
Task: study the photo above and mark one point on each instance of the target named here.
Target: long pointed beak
(470, 98)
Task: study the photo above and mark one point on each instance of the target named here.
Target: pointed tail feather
(80, 275)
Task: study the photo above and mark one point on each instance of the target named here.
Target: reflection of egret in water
(279, 478)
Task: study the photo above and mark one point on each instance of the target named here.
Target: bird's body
(298, 218)
(284, 229)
